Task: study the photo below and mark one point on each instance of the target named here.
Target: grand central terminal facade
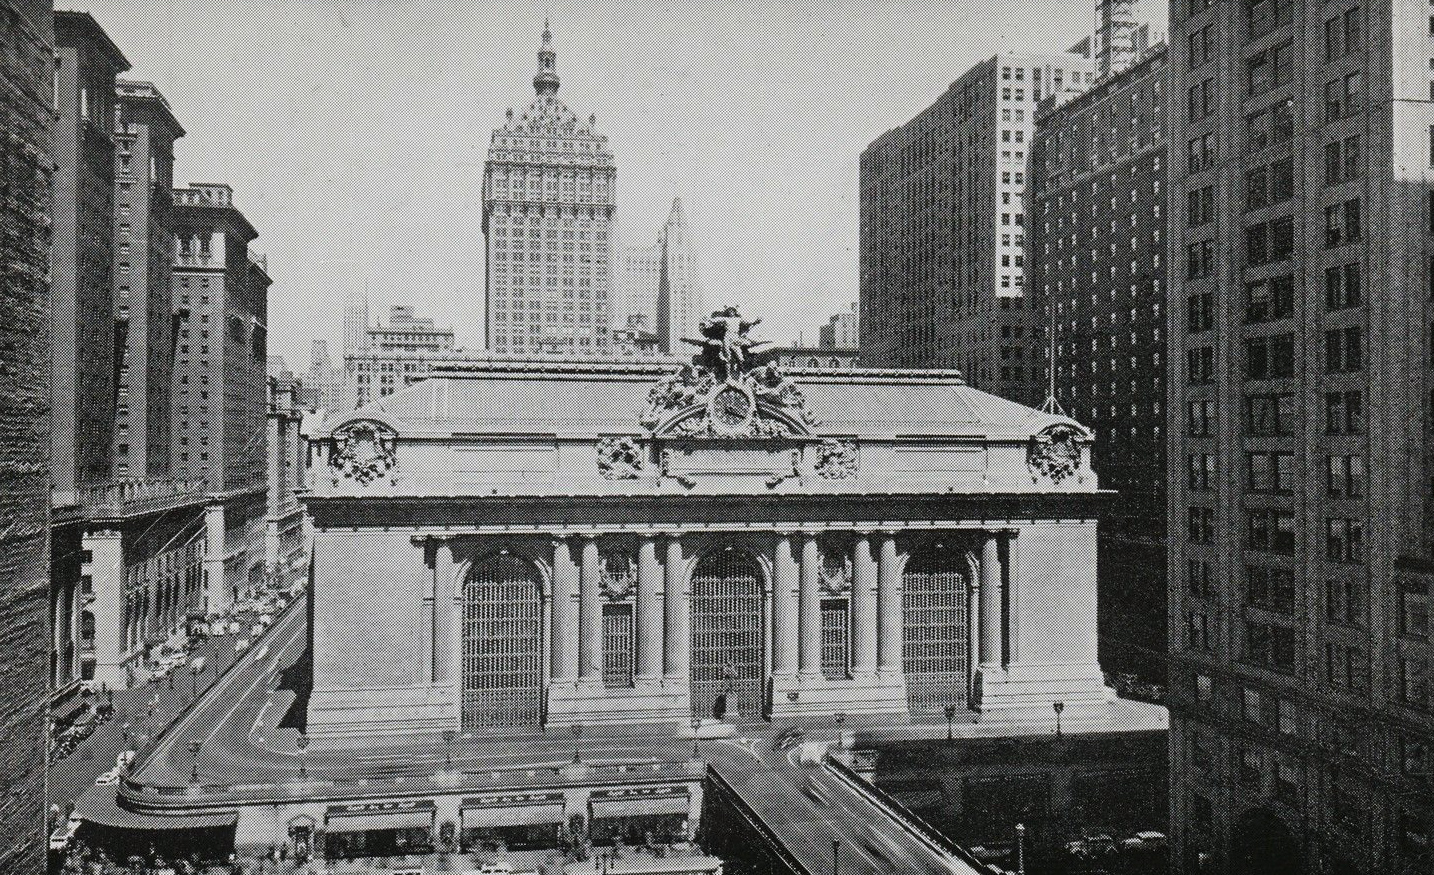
(534, 545)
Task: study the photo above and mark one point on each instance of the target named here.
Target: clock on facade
(730, 409)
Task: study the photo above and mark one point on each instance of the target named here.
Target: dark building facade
(83, 332)
(27, 163)
(1299, 319)
(1097, 266)
(943, 226)
(145, 131)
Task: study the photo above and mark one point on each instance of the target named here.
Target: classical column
(1013, 593)
(218, 594)
(810, 609)
(590, 612)
(678, 616)
(863, 608)
(990, 602)
(564, 620)
(649, 612)
(888, 607)
(784, 609)
(448, 591)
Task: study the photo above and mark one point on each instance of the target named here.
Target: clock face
(731, 407)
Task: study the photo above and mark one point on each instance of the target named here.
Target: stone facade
(943, 224)
(637, 542)
(1301, 576)
(1095, 255)
(27, 162)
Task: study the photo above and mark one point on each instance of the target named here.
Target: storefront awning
(524, 815)
(383, 820)
(364, 816)
(640, 804)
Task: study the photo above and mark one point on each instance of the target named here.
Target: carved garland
(1054, 453)
(619, 458)
(837, 458)
(363, 452)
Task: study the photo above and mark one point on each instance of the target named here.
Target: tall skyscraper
(323, 385)
(145, 131)
(548, 204)
(1095, 255)
(1299, 322)
(659, 285)
(356, 321)
(221, 397)
(27, 162)
(943, 228)
(83, 333)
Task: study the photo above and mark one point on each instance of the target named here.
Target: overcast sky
(354, 133)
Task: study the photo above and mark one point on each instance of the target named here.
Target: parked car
(108, 778)
(241, 645)
(1093, 846)
(1145, 840)
(179, 659)
(233, 627)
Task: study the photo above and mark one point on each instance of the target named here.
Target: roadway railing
(909, 820)
(729, 793)
(145, 755)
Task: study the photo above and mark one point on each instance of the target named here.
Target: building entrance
(502, 644)
(935, 657)
(727, 634)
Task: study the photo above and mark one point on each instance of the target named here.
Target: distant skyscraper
(659, 285)
(145, 131)
(408, 333)
(548, 204)
(355, 321)
(843, 330)
(82, 330)
(943, 227)
(324, 384)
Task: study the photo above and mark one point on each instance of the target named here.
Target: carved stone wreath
(1054, 453)
(835, 571)
(363, 452)
(619, 458)
(618, 572)
(837, 458)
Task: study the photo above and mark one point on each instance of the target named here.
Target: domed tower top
(545, 81)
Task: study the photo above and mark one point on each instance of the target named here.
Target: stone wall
(26, 162)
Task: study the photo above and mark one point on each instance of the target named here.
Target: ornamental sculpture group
(722, 391)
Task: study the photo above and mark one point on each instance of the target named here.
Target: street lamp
(1058, 707)
(194, 680)
(836, 856)
(303, 746)
(696, 725)
(194, 771)
(577, 739)
(448, 736)
(1020, 849)
(950, 718)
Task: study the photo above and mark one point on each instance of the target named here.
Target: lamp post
(448, 736)
(194, 770)
(1058, 707)
(194, 681)
(303, 746)
(950, 718)
(1020, 849)
(577, 738)
(696, 725)
(836, 856)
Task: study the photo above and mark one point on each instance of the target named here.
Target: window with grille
(502, 644)
(617, 645)
(934, 657)
(835, 638)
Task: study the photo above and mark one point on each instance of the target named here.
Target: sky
(354, 133)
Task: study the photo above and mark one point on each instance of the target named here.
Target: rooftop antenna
(1051, 405)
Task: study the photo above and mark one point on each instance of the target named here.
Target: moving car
(1145, 840)
(241, 645)
(108, 778)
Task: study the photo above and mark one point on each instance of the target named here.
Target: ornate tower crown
(546, 81)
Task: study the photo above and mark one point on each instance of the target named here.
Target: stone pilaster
(564, 626)
(863, 608)
(888, 606)
(785, 573)
(677, 664)
(649, 613)
(219, 593)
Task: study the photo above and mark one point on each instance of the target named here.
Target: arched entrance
(727, 633)
(1263, 844)
(934, 655)
(502, 644)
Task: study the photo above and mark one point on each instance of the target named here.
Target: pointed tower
(679, 298)
(548, 204)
